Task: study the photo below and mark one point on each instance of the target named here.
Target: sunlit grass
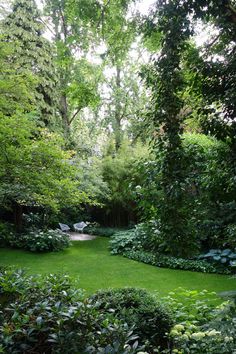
(92, 264)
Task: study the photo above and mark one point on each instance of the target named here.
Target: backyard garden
(117, 177)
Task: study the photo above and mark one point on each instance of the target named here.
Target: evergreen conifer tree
(34, 53)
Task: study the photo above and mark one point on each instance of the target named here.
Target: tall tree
(23, 28)
(173, 28)
(78, 29)
(70, 25)
(34, 169)
(16, 88)
(166, 82)
(124, 101)
(35, 172)
(118, 33)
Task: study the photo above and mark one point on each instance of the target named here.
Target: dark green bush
(47, 315)
(137, 244)
(40, 241)
(152, 321)
(208, 196)
(229, 238)
(164, 261)
(6, 230)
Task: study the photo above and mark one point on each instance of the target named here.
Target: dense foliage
(208, 201)
(34, 171)
(75, 125)
(177, 93)
(135, 244)
(151, 320)
(94, 97)
(34, 54)
(121, 176)
(47, 314)
(202, 326)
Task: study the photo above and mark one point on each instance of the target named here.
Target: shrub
(33, 220)
(136, 238)
(41, 241)
(123, 241)
(6, 230)
(137, 307)
(230, 236)
(47, 315)
(163, 261)
(101, 231)
(201, 326)
(133, 244)
(224, 257)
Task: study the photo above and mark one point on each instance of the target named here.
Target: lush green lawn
(91, 263)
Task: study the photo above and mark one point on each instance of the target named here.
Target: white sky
(142, 5)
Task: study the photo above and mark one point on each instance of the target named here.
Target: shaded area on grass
(96, 268)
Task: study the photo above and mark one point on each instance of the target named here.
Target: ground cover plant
(137, 244)
(91, 263)
(101, 231)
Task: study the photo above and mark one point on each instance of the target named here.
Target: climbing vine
(172, 22)
(166, 81)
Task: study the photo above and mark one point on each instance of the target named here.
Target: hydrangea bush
(201, 326)
(41, 241)
(51, 240)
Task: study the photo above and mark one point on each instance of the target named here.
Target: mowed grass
(91, 263)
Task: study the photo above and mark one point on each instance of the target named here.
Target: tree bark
(117, 127)
(18, 216)
(65, 114)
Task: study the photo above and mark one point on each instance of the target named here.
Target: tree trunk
(18, 216)
(64, 114)
(117, 126)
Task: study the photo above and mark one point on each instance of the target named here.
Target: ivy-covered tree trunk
(166, 84)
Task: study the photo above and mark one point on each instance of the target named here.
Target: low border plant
(225, 257)
(134, 244)
(165, 261)
(102, 231)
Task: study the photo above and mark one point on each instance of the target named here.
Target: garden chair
(64, 227)
(80, 226)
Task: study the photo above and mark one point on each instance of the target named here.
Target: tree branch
(232, 10)
(74, 115)
(103, 13)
